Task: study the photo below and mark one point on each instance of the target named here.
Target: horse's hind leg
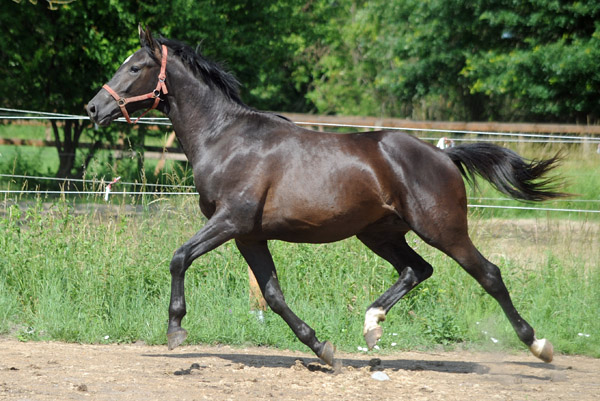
(488, 276)
(259, 259)
(411, 268)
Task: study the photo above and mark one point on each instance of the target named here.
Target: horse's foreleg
(412, 270)
(214, 233)
(259, 259)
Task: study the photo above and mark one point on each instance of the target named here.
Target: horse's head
(134, 86)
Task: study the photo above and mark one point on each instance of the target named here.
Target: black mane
(211, 73)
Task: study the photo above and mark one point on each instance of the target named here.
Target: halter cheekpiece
(155, 94)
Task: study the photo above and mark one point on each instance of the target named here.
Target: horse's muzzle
(101, 109)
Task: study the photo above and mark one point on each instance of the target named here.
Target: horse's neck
(200, 114)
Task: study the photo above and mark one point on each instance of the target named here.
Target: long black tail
(508, 172)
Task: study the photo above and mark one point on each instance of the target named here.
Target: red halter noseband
(155, 94)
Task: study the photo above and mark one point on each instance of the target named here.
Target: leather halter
(155, 94)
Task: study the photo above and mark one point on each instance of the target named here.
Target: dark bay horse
(260, 177)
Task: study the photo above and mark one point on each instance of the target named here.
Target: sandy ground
(59, 371)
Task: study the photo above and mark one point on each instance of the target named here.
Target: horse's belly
(318, 225)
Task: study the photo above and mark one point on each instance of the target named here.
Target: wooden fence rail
(150, 152)
(538, 128)
(322, 122)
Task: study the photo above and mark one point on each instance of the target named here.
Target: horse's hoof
(372, 336)
(327, 354)
(175, 338)
(543, 349)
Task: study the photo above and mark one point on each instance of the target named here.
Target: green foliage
(472, 60)
(392, 57)
(103, 277)
(546, 67)
(264, 43)
(445, 60)
(55, 60)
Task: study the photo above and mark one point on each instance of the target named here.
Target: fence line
(100, 193)
(139, 184)
(81, 193)
(450, 131)
(453, 126)
(391, 124)
(50, 192)
(502, 129)
(94, 182)
(535, 208)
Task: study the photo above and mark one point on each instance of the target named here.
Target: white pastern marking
(538, 346)
(372, 318)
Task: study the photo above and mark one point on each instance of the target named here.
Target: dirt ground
(59, 371)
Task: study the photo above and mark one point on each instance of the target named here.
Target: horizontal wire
(535, 208)
(193, 187)
(93, 181)
(92, 192)
(165, 121)
(554, 200)
(193, 193)
(492, 133)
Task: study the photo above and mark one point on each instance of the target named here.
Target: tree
(266, 44)
(545, 64)
(401, 58)
(458, 59)
(55, 59)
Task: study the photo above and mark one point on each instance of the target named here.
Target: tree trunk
(67, 149)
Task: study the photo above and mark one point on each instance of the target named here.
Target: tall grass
(103, 277)
(71, 274)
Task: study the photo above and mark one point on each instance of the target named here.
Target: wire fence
(104, 188)
(186, 190)
(16, 114)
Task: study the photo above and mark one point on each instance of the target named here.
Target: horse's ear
(146, 39)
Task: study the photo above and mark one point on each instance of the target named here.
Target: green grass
(43, 161)
(104, 278)
(577, 174)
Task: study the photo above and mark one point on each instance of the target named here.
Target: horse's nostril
(91, 109)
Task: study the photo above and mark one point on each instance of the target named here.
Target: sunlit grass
(100, 273)
(103, 277)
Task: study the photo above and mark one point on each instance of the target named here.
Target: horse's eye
(134, 69)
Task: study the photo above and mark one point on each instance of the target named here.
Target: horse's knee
(413, 276)
(178, 263)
